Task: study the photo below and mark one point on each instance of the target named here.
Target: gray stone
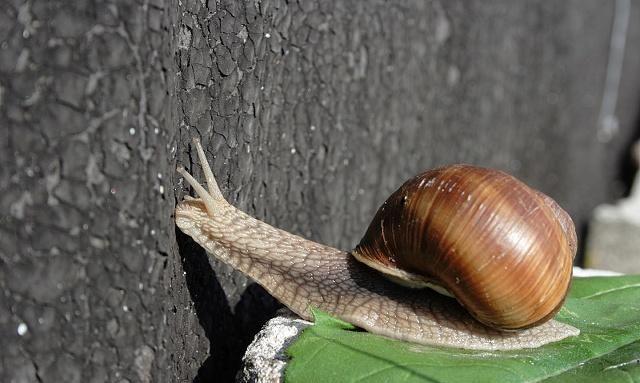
(265, 358)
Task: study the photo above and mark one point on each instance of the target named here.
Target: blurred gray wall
(312, 112)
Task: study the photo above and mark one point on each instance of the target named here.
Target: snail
(496, 255)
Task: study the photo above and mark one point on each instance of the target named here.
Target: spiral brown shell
(502, 249)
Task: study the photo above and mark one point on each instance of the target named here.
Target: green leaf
(621, 365)
(605, 309)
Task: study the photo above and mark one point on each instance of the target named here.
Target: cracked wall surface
(86, 184)
(311, 112)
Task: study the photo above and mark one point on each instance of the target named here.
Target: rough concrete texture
(314, 111)
(87, 251)
(265, 360)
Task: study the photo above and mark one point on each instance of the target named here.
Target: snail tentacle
(213, 197)
(205, 197)
(212, 185)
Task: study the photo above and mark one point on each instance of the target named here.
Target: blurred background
(312, 113)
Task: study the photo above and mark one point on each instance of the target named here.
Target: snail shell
(502, 249)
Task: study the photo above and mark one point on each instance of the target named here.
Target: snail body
(303, 274)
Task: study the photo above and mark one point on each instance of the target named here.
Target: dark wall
(312, 113)
(87, 245)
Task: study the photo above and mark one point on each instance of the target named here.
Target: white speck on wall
(22, 329)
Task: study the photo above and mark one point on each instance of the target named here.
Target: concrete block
(613, 242)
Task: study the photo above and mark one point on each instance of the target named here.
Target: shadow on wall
(229, 331)
(627, 163)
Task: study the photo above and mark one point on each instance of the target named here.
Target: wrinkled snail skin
(303, 274)
(502, 249)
